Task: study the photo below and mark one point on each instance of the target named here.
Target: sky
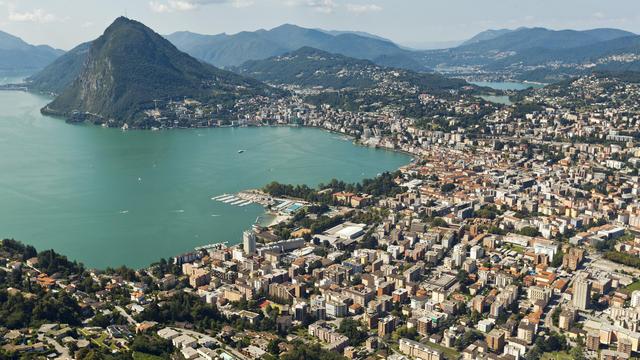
(66, 23)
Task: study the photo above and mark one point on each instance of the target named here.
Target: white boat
(225, 198)
(241, 151)
(237, 202)
(232, 199)
(246, 203)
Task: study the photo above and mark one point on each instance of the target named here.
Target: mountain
(233, 50)
(514, 53)
(530, 38)
(130, 66)
(323, 78)
(309, 67)
(17, 55)
(486, 35)
(359, 33)
(59, 74)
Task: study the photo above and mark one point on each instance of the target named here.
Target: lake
(497, 99)
(108, 198)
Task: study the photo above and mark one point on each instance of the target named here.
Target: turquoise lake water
(107, 197)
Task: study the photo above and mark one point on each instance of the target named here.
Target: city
(510, 231)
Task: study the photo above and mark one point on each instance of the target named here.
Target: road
(130, 319)
(62, 350)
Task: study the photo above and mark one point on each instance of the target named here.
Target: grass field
(450, 354)
(634, 286)
(143, 356)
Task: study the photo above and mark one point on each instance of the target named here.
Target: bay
(107, 197)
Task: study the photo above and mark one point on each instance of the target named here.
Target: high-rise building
(249, 242)
(581, 293)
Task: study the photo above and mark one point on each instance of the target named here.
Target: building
(386, 326)
(613, 355)
(249, 242)
(573, 258)
(581, 293)
(325, 333)
(539, 293)
(635, 298)
(495, 340)
(526, 331)
(566, 319)
(415, 349)
(592, 341)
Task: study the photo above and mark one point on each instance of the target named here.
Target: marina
(240, 200)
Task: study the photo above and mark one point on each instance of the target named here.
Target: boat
(241, 151)
(233, 198)
(245, 203)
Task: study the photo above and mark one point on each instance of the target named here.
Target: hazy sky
(65, 23)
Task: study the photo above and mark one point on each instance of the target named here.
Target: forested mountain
(311, 67)
(130, 66)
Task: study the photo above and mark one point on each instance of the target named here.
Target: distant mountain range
(505, 51)
(129, 67)
(18, 56)
(233, 50)
(535, 54)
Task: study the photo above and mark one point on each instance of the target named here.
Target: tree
(404, 332)
(468, 338)
(273, 347)
(153, 345)
(438, 222)
(529, 231)
(577, 353)
(351, 329)
(310, 352)
(557, 259)
(448, 187)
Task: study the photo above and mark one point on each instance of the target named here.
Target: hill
(309, 67)
(323, 78)
(233, 50)
(130, 67)
(19, 56)
(58, 75)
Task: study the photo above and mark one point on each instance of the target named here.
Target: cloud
(322, 6)
(363, 8)
(39, 16)
(168, 6)
(331, 6)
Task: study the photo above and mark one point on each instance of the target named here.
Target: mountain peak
(130, 67)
